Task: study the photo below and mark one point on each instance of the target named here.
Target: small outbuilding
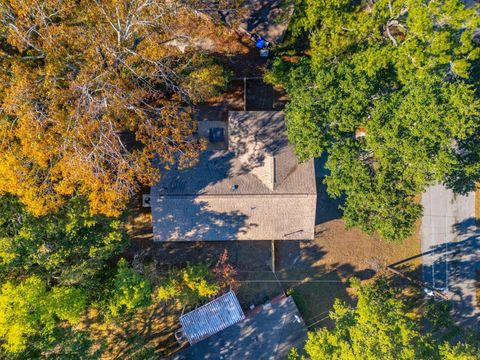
(211, 318)
(268, 332)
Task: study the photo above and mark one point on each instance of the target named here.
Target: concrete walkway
(451, 251)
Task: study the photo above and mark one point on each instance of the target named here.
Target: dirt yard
(316, 271)
(321, 268)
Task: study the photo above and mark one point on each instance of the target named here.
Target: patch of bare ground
(314, 272)
(317, 272)
(361, 251)
(139, 218)
(148, 331)
(245, 63)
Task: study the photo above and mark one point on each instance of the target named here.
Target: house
(248, 185)
(268, 332)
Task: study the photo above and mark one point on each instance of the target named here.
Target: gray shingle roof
(253, 136)
(256, 190)
(211, 318)
(260, 145)
(267, 334)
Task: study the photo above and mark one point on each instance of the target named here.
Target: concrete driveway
(451, 251)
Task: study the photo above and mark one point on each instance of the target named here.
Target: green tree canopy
(459, 352)
(378, 328)
(130, 291)
(55, 266)
(389, 91)
(71, 247)
(189, 285)
(52, 268)
(28, 308)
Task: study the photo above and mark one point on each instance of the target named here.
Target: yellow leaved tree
(92, 91)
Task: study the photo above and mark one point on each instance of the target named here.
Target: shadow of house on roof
(254, 190)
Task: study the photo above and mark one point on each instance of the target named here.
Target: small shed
(268, 332)
(211, 318)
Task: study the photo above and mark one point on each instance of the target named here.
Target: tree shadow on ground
(460, 262)
(452, 269)
(316, 272)
(315, 285)
(261, 96)
(327, 207)
(295, 263)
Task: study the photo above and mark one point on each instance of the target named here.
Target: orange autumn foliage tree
(91, 92)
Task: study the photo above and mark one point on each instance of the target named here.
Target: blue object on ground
(260, 44)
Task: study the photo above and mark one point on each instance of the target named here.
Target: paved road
(451, 251)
